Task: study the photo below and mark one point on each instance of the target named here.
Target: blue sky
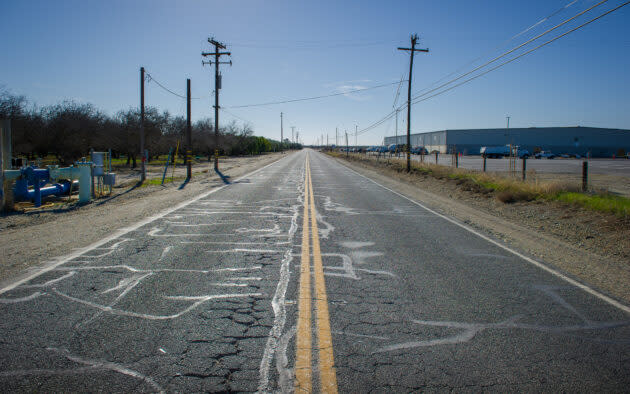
(91, 51)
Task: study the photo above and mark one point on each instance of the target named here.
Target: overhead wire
(513, 49)
(501, 45)
(151, 78)
(234, 115)
(316, 44)
(308, 47)
(313, 97)
(420, 98)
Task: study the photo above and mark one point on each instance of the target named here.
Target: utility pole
(281, 134)
(356, 132)
(293, 134)
(412, 50)
(143, 172)
(217, 86)
(297, 136)
(336, 137)
(326, 140)
(397, 110)
(508, 122)
(188, 134)
(346, 143)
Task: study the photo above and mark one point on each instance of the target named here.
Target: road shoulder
(31, 240)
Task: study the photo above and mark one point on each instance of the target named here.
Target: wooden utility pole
(281, 134)
(347, 143)
(217, 86)
(188, 134)
(412, 50)
(143, 172)
(293, 134)
(397, 110)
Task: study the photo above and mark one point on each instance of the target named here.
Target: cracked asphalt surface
(203, 298)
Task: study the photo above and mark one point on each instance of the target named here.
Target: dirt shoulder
(30, 239)
(592, 247)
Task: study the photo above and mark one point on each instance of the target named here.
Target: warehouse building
(598, 142)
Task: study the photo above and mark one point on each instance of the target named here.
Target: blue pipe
(22, 193)
(37, 178)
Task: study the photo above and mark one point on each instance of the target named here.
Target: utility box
(98, 158)
(109, 179)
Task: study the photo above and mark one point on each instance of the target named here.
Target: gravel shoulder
(591, 247)
(30, 239)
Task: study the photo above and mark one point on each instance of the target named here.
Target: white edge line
(538, 264)
(119, 233)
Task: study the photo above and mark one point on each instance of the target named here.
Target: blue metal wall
(580, 140)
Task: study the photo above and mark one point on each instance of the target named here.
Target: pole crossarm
(215, 53)
(416, 50)
(216, 43)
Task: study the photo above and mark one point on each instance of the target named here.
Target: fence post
(436, 157)
(584, 175)
(456, 160)
(484, 163)
(524, 168)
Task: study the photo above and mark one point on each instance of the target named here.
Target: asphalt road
(306, 275)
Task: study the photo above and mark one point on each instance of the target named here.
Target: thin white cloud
(347, 88)
(338, 83)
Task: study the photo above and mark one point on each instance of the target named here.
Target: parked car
(544, 154)
(419, 150)
(523, 153)
(393, 148)
(494, 151)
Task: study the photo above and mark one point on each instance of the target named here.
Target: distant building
(578, 140)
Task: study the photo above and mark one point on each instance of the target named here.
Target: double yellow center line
(304, 341)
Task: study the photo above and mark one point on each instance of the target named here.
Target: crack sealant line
(277, 342)
(119, 233)
(538, 264)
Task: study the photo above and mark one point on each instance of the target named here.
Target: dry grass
(506, 189)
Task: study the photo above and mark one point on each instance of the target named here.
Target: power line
(419, 99)
(314, 97)
(152, 78)
(501, 45)
(309, 47)
(512, 50)
(398, 91)
(312, 44)
(234, 115)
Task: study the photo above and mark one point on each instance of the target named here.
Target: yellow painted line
(327, 371)
(303, 358)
